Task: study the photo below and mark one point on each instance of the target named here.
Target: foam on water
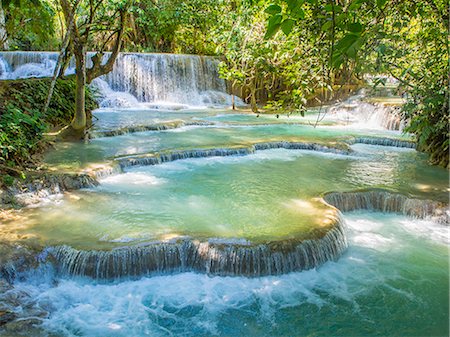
(427, 229)
(357, 114)
(349, 293)
(109, 98)
(132, 178)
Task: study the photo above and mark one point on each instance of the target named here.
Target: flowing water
(192, 194)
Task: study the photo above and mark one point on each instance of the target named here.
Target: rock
(8, 272)
(6, 317)
(23, 325)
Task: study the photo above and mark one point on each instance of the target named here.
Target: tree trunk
(253, 97)
(99, 69)
(79, 120)
(58, 66)
(3, 33)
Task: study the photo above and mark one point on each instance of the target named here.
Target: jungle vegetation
(284, 54)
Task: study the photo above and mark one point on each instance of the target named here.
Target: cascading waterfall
(152, 127)
(215, 258)
(356, 112)
(159, 158)
(159, 78)
(4, 69)
(108, 98)
(27, 64)
(383, 141)
(161, 81)
(385, 201)
(240, 257)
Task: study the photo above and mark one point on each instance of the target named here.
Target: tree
(26, 25)
(97, 24)
(283, 72)
(3, 32)
(406, 39)
(175, 25)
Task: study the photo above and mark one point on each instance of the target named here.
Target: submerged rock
(38, 187)
(6, 316)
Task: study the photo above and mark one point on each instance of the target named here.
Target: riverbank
(26, 132)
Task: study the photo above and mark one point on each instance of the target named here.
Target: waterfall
(385, 201)
(156, 158)
(367, 115)
(383, 141)
(157, 81)
(163, 157)
(215, 258)
(152, 127)
(186, 79)
(22, 64)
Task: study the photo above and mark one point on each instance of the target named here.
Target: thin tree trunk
(99, 69)
(79, 120)
(59, 63)
(233, 104)
(253, 97)
(3, 33)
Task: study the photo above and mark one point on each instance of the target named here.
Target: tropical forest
(224, 168)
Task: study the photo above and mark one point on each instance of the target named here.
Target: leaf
(273, 26)
(327, 25)
(336, 60)
(346, 42)
(355, 27)
(298, 13)
(287, 25)
(273, 9)
(355, 5)
(292, 4)
(381, 3)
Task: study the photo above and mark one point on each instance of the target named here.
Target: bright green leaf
(273, 9)
(346, 42)
(298, 13)
(273, 25)
(327, 25)
(287, 25)
(292, 4)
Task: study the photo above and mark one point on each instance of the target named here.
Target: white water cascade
(159, 81)
(356, 113)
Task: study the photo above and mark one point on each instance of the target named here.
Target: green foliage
(22, 124)
(175, 25)
(7, 180)
(30, 24)
(20, 136)
(286, 70)
(404, 39)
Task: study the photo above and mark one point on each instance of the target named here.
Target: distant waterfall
(154, 80)
(358, 113)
